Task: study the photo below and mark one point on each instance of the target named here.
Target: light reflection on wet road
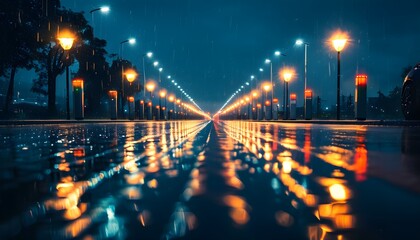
(205, 180)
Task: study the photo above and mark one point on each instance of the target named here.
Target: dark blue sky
(212, 47)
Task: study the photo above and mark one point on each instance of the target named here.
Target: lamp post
(130, 75)
(150, 87)
(266, 87)
(300, 42)
(254, 97)
(287, 75)
(171, 99)
(268, 61)
(66, 42)
(131, 41)
(103, 9)
(339, 42)
(162, 94)
(148, 55)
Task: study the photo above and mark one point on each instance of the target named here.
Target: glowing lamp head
(150, 87)
(339, 40)
(178, 101)
(171, 98)
(267, 103)
(113, 93)
(156, 63)
(66, 39)
(105, 9)
(255, 94)
(339, 44)
(252, 77)
(266, 87)
(247, 99)
(258, 105)
(131, 75)
(293, 97)
(287, 76)
(132, 41)
(78, 83)
(277, 53)
(361, 80)
(308, 93)
(267, 61)
(149, 54)
(131, 99)
(261, 70)
(299, 42)
(162, 93)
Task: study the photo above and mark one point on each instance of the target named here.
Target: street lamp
(171, 99)
(131, 41)
(162, 94)
(66, 40)
(150, 87)
(339, 40)
(300, 42)
(148, 55)
(268, 61)
(287, 76)
(266, 87)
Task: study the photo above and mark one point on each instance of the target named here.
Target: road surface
(209, 180)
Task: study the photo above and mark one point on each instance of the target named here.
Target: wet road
(205, 180)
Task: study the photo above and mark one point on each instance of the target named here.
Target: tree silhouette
(19, 46)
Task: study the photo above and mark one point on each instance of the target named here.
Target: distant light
(132, 40)
(267, 61)
(105, 9)
(261, 70)
(252, 77)
(242, 86)
(247, 83)
(149, 54)
(169, 77)
(175, 84)
(156, 63)
(160, 69)
(277, 53)
(299, 42)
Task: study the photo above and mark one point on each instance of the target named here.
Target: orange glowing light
(141, 102)
(339, 40)
(266, 87)
(267, 103)
(150, 86)
(275, 100)
(308, 94)
(293, 97)
(338, 192)
(287, 73)
(361, 80)
(113, 94)
(131, 99)
(171, 98)
(79, 152)
(78, 83)
(254, 94)
(258, 105)
(131, 75)
(66, 39)
(162, 93)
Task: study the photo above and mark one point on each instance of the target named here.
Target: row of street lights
(338, 40)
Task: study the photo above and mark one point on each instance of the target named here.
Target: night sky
(212, 47)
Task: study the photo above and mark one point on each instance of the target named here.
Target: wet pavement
(206, 180)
